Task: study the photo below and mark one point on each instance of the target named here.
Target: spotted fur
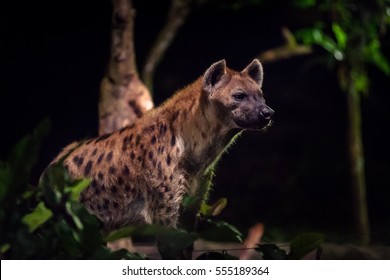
(141, 173)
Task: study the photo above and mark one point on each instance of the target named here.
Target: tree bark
(123, 96)
(356, 153)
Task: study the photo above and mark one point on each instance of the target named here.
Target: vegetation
(48, 222)
(351, 35)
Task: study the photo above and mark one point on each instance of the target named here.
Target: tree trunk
(357, 162)
(123, 96)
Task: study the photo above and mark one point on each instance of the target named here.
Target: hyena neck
(203, 132)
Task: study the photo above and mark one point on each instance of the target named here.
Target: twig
(178, 12)
(289, 49)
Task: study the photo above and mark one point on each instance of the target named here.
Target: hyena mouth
(269, 124)
(256, 122)
(265, 117)
(265, 124)
(253, 124)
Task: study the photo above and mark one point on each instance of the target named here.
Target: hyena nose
(267, 113)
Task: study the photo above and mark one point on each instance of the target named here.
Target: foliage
(352, 36)
(47, 221)
(219, 231)
(271, 252)
(215, 209)
(300, 246)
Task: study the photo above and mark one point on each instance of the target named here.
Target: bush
(47, 221)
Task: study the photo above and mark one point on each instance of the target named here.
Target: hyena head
(237, 96)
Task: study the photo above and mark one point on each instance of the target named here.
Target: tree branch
(290, 49)
(178, 12)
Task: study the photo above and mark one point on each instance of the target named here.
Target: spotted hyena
(141, 173)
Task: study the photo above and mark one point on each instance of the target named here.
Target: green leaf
(15, 172)
(189, 201)
(374, 55)
(76, 189)
(120, 233)
(75, 218)
(24, 154)
(29, 194)
(340, 35)
(145, 230)
(4, 248)
(315, 36)
(38, 217)
(171, 241)
(215, 209)
(205, 209)
(54, 184)
(220, 231)
(271, 252)
(304, 244)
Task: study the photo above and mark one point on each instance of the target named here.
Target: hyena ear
(214, 74)
(255, 71)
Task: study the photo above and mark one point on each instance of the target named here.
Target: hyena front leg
(167, 206)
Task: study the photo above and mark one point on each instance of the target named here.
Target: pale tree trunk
(123, 96)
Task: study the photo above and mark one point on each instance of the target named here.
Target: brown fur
(141, 172)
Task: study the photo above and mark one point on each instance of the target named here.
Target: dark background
(293, 178)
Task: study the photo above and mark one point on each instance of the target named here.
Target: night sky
(293, 178)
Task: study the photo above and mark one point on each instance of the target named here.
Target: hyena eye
(239, 96)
